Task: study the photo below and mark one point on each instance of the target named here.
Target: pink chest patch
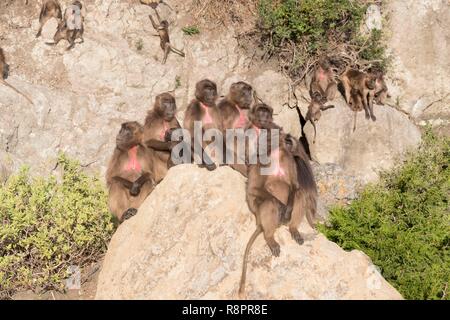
(321, 75)
(207, 117)
(258, 130)
(133, 163)
(275, 158)
(164, 130)
(242, 120)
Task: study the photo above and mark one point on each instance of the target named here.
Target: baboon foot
(209, 167)
(374, 118)
(297, 236)
(129, 214)
(274, 248)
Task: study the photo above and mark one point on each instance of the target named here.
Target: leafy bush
(403, 222)
(48, 225)
(299, 32)
(191, 30)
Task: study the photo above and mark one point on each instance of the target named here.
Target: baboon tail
(307, 189)
(310, 207)
(181, 53)
(17, 91)
(244, 263)
(354, 120)
(315, 130)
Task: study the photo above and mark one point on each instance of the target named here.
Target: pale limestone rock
(187, 242)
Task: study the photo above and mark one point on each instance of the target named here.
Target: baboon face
(164, 24)
(371, 81)
(169, 108)
(242, 94)
(206, 92)
(263, 117)
(78, 4)
(130, 134)
(165, 106)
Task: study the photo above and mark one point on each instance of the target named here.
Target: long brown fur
(159, 122)
(50, 9)
(205, 94)
(280, 199)
(364, 84)
(128, 184)
(238, 101)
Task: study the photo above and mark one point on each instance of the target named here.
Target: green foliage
(311, 28)
(373, 49)
(48, 225)
(191, 30)
(403, 222)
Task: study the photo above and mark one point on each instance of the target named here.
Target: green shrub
(300, 31)
(403, 222)
(49, 224)
(191, 30)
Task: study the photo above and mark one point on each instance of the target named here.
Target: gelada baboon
(282, 197)
(315, 109)
(71, 28)
(203, 108)
(355, 104)
(162, 27)
(323, 81)
(234, 110)
(50, 9)
(154, 3)
(381, 89)
(129, 177)
(158, 127)
(4, 73)
(364, 84)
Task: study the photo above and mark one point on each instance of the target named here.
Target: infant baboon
(4, 74)
(315, 109)
(154, 3)
(158, 126)
(282, 197)
(71, 28)
(381, 89)
(129, 177)
(162, 27)
(50, 9)
(323, 81)
(364, 84)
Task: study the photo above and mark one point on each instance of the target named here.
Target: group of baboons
(142, 156)
(361, 89)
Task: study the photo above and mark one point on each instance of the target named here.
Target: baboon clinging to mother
(364, 85)
(285, 195)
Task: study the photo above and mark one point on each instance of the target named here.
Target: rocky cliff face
(188, 239)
